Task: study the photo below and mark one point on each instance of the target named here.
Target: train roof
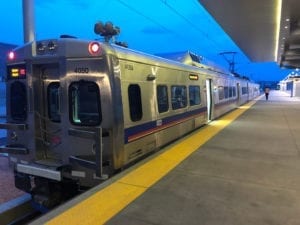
(79, 48)
(182, 60)
(134, 55)
(190, 58)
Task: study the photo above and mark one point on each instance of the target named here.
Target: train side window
(221, 92)
(244, 90)
(84, 103)
(194, 93)
(179, 97)
(226, 92)
(162, 98)
(53, 101)
(135, 102)
(18, 101)
(230, 92)
(234, 91)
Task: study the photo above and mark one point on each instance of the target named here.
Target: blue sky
(152, 26)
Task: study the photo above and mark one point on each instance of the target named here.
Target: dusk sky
(151, 26)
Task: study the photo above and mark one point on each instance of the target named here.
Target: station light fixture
(277, 24)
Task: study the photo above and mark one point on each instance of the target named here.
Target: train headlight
(94, 48)
(11, 55)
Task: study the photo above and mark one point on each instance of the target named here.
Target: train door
(88, 121)
(67, 118)
(248, 92)
(89, 132)
(238, 93)
(209, 99)
(46, 99)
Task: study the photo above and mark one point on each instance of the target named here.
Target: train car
(78, 111)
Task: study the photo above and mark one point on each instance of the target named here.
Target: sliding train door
(46, 89)
(238, 92)
(209, 99)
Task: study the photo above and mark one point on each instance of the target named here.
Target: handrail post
(99, 153)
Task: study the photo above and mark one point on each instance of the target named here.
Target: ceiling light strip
(278, 21)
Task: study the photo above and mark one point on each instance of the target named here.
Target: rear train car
(78, 111)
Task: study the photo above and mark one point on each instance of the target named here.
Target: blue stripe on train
(142, 130)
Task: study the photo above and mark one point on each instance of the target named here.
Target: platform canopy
(266, 30)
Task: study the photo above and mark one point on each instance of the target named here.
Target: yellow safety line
(103, 205)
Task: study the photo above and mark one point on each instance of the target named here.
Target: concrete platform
(249, 173)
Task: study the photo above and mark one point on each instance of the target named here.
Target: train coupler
(47, 193)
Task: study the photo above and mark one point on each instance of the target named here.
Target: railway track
(17, 214)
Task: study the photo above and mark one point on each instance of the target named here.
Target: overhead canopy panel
(250, 24)
(265, 30)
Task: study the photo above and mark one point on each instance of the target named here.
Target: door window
(53, 102)
(85, 105)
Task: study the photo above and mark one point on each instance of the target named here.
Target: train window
(135, 102)
(194, 93)
(18, 101)
(244, 90)
(226, 92)
(179, 97)
(162, 98)
(53, 101)
(231, 92)
(84, 103)
(221, 92)
(234, 91)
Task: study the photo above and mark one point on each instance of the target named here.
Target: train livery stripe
(137, 132)
(140, 131)
(103, 204)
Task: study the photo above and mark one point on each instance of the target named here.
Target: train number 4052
(81, 70)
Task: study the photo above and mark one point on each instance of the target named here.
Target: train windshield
(85, 106)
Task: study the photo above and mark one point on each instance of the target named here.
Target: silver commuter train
(79, 110)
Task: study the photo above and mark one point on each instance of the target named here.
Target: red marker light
(11, 55)
(94, 48)
(22, 72)
(56, 140)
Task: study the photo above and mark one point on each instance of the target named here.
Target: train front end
(58, 94)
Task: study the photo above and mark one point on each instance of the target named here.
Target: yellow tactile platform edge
(102, 206)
